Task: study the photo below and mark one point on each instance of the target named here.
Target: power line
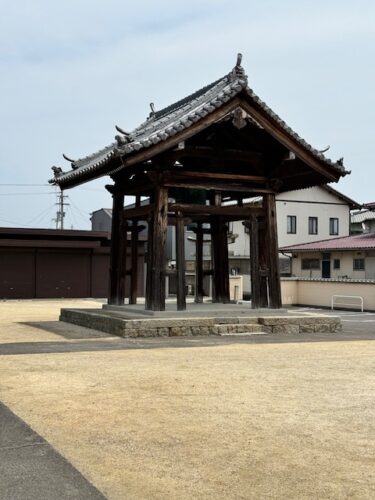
(1, 184)
(40, 215)
(26, 194)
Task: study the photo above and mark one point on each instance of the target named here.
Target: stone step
(242, 334)
(238, 329)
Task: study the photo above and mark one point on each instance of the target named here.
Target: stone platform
(198, 319)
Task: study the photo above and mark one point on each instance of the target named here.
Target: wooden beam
(225, 210)
(186, 174)
(138, 212)
(214, 154)
(274, 129)
(216, 185)
(180, 262)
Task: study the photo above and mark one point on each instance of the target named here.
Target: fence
(319, 292)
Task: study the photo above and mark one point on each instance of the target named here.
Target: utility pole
(60, 213)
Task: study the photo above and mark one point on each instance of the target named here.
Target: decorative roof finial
(68, 159)
(238, 72)
(124, 138)
(57, 171)
(341, 161)
(123, 132)
(152, 106)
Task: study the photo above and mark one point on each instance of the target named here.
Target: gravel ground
(288, 420)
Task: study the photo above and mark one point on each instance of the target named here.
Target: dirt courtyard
(233, 420)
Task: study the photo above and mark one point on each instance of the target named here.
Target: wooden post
(215, 199)
(180, 262)
(149, 274)
(123, 260)
(159, 236)
(116, 249)
(274, 288)
(219, 255)
(134, 258)
(224, 263)
(254, 263)
(199, 264)
(263, 264)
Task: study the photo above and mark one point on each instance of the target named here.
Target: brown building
(45, 263)
(196, 161)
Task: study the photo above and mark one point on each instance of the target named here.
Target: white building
(303, 216)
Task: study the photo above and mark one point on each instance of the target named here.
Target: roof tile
(175, 118)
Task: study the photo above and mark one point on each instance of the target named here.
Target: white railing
(334, 302)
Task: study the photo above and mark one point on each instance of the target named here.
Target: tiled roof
(163, 124)
(362, 216)
(364, 241)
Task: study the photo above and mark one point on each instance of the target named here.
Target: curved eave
(173, 124)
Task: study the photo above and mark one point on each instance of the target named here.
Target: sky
(71, 71)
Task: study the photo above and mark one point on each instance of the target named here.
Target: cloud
(72, 70)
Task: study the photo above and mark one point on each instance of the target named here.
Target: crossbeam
(214, 154)
(188, 209)
(136, 212)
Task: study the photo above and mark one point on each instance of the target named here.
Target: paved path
(31, 469)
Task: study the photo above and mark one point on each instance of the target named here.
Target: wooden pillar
(116, 249)
(219, 255)
(134, 258)
(224, 262)
(274, 288)
(254, 262)
(263, 264)
(123, 260)
(199, 264)
(159, 236)
(180, 262)
(149, 274)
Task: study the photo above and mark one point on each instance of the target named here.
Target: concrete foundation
(198, 319)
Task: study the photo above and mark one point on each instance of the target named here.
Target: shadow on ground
(115, 344)
(66, 330)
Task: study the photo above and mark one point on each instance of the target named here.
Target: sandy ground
(235, 421)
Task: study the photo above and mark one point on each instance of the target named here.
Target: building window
(313, 225)
(358, 264)
(333, 226)
(291, 224)
(336, 263)
(308, 264)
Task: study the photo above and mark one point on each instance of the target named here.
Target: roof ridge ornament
(67, 158)
(124, 138)
(152, 112)
(57, 171)
(238, 71)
